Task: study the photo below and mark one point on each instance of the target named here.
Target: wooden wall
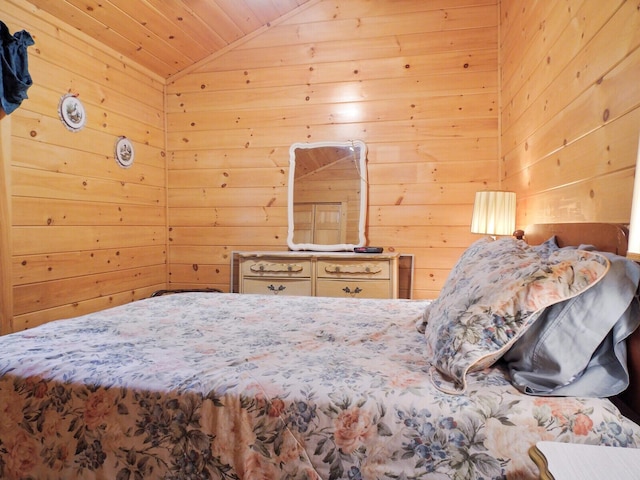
(86, 233)
(451, 97)
(570, 111)
(416, 81)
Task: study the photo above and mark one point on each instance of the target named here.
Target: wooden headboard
(607, 237)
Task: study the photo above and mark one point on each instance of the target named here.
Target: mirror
(327, 203)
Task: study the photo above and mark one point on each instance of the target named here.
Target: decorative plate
(124, 152)
(71, 112)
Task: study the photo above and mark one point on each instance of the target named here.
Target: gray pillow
(577, 347)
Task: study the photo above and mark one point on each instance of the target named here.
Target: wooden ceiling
(167, 36)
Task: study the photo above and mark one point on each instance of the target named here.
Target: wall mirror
(327, 202)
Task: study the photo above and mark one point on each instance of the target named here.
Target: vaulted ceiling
(167, 36)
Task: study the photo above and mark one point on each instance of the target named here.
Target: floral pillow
(494, 293)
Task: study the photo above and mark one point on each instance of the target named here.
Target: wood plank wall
(416, 81)
(570, 111)
(86, 233)
(6, 281)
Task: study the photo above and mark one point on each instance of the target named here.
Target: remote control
(368, 250)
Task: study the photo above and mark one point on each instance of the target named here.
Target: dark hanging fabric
(15, 78)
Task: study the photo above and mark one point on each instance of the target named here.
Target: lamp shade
(494, 213)
(633, 250)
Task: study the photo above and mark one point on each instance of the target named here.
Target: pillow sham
(543, 248)
(577, 347)
(493, 294)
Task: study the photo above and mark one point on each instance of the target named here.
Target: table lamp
(494, 213)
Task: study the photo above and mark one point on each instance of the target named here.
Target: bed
(230, 386)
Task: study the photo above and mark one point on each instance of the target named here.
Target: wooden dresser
(322, 274)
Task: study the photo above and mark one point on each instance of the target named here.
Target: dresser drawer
(277, 286)
(352, 269)
(279, 267)
(327, 274)
(354, 288)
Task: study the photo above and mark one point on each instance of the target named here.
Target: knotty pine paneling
(168, 36)
(537, 39)
(600, 105)
(29, 320)
(611, 144)
(348, 26)
(383, 42)
(29, 269)
(34, 297)
(6, 286)
(416, 81)
(264, 197)
(483, 60)
(570, 108)
(86, 233)
(556, 121)
(255, 158)
(227, 216)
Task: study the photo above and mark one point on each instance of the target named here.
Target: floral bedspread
(229, 386)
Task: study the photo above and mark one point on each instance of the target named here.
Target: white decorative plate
(124, 152)
(71, 112)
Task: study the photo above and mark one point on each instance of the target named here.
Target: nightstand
(571, 461)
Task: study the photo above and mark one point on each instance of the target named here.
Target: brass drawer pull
(275, 267)
(276, 290)
(355, 268)
(353, 293)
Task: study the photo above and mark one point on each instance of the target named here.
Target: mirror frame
(361, 165)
